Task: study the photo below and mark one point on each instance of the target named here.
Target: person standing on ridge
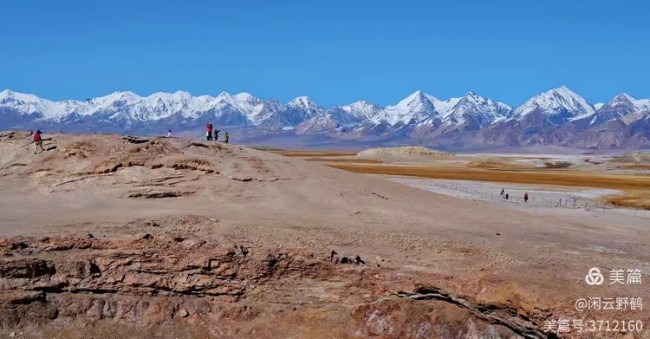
(169, 133)
(226, 138)
(216, 134)
(38, 141)
(208, 134)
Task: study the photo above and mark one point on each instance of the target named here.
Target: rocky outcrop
(150, 280)
(144, 279)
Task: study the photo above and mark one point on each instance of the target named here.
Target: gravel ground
(539, 197)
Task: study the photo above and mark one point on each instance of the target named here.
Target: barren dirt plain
(111, 237)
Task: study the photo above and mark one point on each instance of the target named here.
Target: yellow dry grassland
(631, 199)
(636, 166)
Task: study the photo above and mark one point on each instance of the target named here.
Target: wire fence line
(545, 200)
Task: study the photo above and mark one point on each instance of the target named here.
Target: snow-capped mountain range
(558, 116)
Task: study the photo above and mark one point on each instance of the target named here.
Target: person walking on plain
(526, 197)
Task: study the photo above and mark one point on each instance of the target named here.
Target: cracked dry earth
(112, 237)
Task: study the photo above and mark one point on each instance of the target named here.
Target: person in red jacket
(208, 133)
(38, 141)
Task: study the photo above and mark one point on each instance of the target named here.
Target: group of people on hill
(210, 131)
(507, 196)
(37, 138)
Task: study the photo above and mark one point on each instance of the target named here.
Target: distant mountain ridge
(556, 117)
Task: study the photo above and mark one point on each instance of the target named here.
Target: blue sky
(335, 51)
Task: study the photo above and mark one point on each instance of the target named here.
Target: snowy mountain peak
(362, 109)
(623, 97)
(626, 100)
(474, 111)
(121, 96)
(223, 96)
(126, 95)
(176, 96)
(620, 100)
(415, 97)
(560, 92)
(472, 96)
(7, 93)
(561, 103)
(476, 99)
(244, 103)
(182, 94)
(417, 101)
(246, 97)
(303, 102)
(622, 105)
(360, 106)
(415, 107)
(563, 90)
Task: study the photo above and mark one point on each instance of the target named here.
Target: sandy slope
(634, 157)
(404, 154)
(229, 194)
